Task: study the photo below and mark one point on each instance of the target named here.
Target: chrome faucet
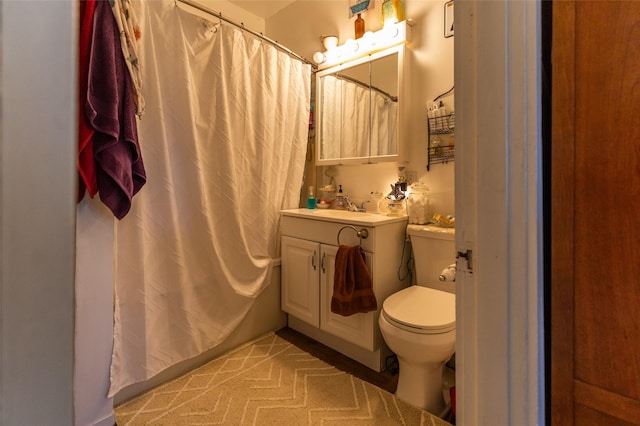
(354, 207)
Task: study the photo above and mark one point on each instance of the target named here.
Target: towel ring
(362, 233)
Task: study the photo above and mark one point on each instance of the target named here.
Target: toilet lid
(423, 308)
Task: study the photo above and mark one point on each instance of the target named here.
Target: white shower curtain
(356, 112)
(331, 122)
(357, 121)
(224, 138)
(384, 127)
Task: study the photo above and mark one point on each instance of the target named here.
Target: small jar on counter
(419, 204)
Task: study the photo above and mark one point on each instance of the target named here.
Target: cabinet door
(356, 328)
(300, 271)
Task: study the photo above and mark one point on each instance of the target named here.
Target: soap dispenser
(340, 202)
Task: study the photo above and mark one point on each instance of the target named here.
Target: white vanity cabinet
(309, 245)
(313, 263)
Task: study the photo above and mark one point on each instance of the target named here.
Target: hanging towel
(86, 163)
(111, 112)
(130, 33)
(352, 285)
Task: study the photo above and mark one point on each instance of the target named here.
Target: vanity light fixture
(371, 42)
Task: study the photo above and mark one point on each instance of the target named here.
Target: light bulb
(329, 42)
(369, 39)
(391, 31)
(351, 45)
(319, 58)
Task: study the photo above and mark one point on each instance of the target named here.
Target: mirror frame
(403, 102)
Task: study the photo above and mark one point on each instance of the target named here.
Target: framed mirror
(359, 107)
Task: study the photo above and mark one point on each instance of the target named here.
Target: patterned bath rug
(270, 381)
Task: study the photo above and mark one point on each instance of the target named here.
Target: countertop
(344, 216)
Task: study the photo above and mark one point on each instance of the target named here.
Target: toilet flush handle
(448, 273)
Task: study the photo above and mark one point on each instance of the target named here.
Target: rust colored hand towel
(352, 285)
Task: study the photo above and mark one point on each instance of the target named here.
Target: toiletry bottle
(339, 203)
(444, 124)
(359, 26)
(437, 121)
(443, 110)
(311, 200)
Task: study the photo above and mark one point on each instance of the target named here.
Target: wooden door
(595, 226)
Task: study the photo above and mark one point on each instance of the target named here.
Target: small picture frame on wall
(448, 19)
(359, 6)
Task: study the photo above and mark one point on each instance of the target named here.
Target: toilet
(418, 323)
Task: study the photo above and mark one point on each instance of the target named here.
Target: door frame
(500, 345)
(38, 73)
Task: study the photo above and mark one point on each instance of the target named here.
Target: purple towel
(111, 112)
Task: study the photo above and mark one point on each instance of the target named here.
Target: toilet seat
(421, 310)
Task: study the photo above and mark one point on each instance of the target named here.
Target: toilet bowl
(418, 325)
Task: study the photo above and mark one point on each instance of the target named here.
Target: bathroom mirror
(359, 109)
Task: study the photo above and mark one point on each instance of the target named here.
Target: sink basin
(345, 216)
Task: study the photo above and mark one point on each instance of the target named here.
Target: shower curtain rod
(242, 27)
(366, 86)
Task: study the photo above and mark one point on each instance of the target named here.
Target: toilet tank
(434, 248)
